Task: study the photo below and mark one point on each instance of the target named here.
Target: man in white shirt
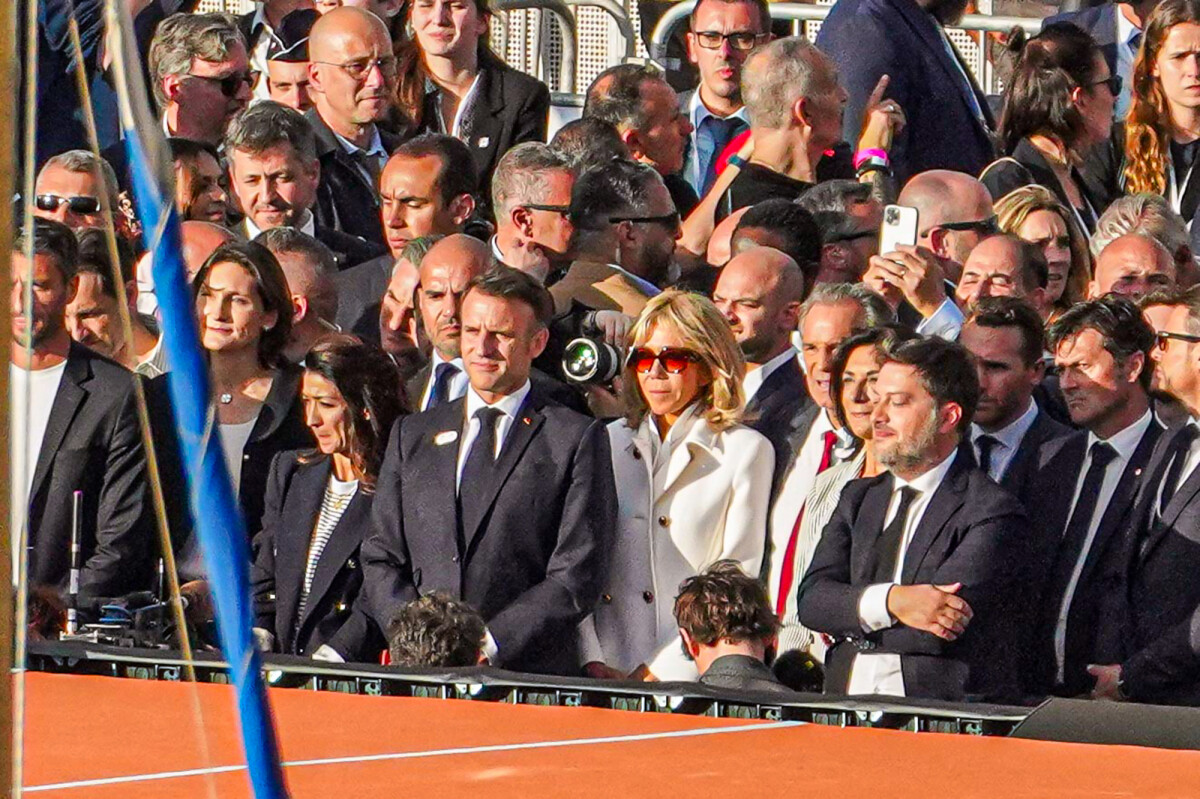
(1010, 433)
(816, 441)
(915, 575)
(1102, 350)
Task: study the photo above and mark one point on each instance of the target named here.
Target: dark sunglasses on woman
(673, 359)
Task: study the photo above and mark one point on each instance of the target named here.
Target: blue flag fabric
(218, 520)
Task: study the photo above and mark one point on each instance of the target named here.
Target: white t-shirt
(28, 428)
(233, 445)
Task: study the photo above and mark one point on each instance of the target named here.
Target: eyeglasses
(76, 205)
(230, 84)
(1113, 82)
(673, 359)
(360, 68)
(669, 221)
(738, 40)
(561, 210)
(984, 226)
(1163, 337)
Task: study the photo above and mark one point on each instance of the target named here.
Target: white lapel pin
(483, 141)
(445, 437)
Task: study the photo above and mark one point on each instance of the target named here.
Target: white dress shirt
(463, 105)
(881, 673)
(455, 389)
(27, 427)
(1008, 439)
(697, 113)
(754, 378)
(796, 486)
(308, 225)
(1124, 444)
(946, 322)
(508, 407)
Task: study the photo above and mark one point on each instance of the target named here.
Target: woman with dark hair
(200, 183)
(853, 370)
(244, 313)
(1162, 131)
(451, 82)
(1057, 109)
(318, 507)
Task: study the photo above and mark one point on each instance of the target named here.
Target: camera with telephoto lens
(589, 358)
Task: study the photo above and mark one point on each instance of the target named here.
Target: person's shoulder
(744, 442)
(984, 499)
(518, 82)
(364, 273)
(100, 369)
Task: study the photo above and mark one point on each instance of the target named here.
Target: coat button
(454, 559)
(664, 521)
(648, 596)
(606, 599)
(341, 607)
(245, 457)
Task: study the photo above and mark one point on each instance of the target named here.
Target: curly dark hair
(723, 602)
(434, 631)
(371, 386)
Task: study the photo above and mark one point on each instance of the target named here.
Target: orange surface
(84, 728)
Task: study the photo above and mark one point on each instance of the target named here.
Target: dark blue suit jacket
(534, 564)
(870, 38)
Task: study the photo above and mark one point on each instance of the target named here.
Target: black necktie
(1180, 448)
(986, 444)
(888, 547)
(1070, 549)
(442, 375)
(1135, 41)
(477, 470)
(371, 166)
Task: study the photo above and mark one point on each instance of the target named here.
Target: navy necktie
(443, 374)
(986, 444)
(711, 140)
(477, 469)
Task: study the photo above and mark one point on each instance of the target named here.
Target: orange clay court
(102, 737)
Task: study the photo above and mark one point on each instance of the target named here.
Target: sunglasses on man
(1163, 337)
(76, 205)
(229, 85)
(670, 221)
(673, 359)
(984, 226)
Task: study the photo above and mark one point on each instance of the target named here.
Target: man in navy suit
(1117, 29)
(503, 499)
(949, 125)
(917, 571)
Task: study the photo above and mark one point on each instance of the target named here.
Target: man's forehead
(58, 176)
(718, 15)
(417, 176)
(237, 58)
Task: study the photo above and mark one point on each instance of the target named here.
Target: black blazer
(1026, 166)
(346, 201)
(972, 532)
(534, 565)
(743, 673)
(510, 108)
(360, 296)
(1089, 635)
(348, 251)
(331, 616)
(774, 411)
(92, 444)
(1036, 459)
(870, 38)
(1160, 664)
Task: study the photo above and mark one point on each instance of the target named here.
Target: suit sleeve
(578, 564)
(826, 600)
(124, 524)
(262, 571)
(1173, 659)
(387, 567)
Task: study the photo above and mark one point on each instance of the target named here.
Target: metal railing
(801, 13)
(562, 14)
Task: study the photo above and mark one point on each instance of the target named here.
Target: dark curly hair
(723, 602)
(436, 631)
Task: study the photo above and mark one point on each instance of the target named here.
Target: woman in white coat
(693, 485)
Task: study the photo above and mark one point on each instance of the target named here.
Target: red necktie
(789, 554)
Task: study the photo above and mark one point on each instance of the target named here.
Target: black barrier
(495, 685)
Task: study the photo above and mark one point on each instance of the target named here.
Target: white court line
(467, 750)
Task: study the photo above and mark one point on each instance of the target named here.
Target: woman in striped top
(318, 507)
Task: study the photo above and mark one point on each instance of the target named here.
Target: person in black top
(1057, 109)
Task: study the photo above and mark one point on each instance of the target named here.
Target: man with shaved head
(759, 292)
(309, 267)
(1133, 265)
(1003, 266)
(352, 76)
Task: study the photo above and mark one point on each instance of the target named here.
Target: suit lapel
(343, 542)
(528, 421)
(70, 396)
(486, 124)
(869, 526)
(302, 507)
(946, 500)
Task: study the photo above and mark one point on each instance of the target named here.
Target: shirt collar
(1011, 435)
(499, 256)
(1125, 28)
(1127, 440)
(698, 111)
(928, 482)
(646, 286)
(374, 146)
(754, 379)
(438, 360)
(308, 226)
(508, 405)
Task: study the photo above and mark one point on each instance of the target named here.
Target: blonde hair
(703, 330)
(1018, 205)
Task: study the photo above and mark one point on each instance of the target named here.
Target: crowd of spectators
(646, 400)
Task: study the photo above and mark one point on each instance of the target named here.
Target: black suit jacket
(348, 251)
(346, 201)
(1090, 636)
(1027, 166)
(295, 492)
(743, 673)
(1036, 459)
(534, 565)
(510, 108)
(774, 411)
(360, 296)
(1161, 663)
(92, 444)
(870, 38)
(972, 532)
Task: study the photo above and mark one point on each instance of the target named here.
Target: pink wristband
(870, 152)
